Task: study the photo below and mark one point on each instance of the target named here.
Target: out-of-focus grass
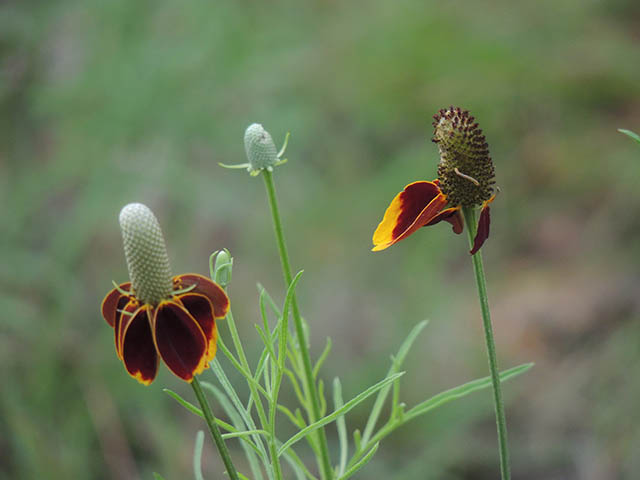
(103, 103)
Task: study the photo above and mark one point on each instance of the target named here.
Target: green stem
(469, 215)
(213, 428)
(270, 427)
(324, 462)
(275, 461)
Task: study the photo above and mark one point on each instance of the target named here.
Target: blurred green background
(104, 103)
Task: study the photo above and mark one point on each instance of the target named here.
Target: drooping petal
(414, 207)
(113, 302)
(451, 215)
(209, 289)
(138, 350)
(179, 340)
(200, 308)
(483, 227)
(123, 318)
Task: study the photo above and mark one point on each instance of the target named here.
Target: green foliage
(278, 348)
(629, 133)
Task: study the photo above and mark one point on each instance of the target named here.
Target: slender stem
(273, 448)
(275, 461)
(270, 427)
(213, 428)
(314, 413)
(469, 215)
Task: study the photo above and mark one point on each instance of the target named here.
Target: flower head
(157, 315)
(259, 147)
(261, 151)
(465, 179)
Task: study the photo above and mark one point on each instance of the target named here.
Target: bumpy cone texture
(261, 151)
(463, 146)
(146, 254)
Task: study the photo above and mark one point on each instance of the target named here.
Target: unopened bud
(222, 268)
(261, 151)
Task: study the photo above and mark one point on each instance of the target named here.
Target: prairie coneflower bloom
(157, 315)
(465, 179)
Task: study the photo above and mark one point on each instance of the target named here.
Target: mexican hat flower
(465, 179)
(156, 315)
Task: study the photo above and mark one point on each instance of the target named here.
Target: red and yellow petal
(451, 215)
(179, 340)
(416, 206)
(201, 309)
(113, 302)
(483, 227)
(209, 289)
(137, 347)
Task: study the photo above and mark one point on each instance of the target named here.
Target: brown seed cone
(463, 147)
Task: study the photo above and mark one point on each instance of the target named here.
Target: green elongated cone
(261, 151)
(146, 254)
(463, 148)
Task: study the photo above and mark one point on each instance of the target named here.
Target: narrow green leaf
(361, 463)
(236, 418)
(239, 165)
(296, 387)
(247, 375)
(292, 418)
(269, 299)
(157, 476)
(189, 406)
(322, 358)
(631, 134)
(293, 459)
(341, 426)
(195, 410)
(322, 398)
(395, 366)
(246, 433)
(238, 407)
(284, 321)
(197, 455)
(461, 391)
(357, 439)
(263, 312)
(331, 417)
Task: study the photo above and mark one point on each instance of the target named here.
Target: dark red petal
(123, 318)
(200, 308)
(179, 340)
(411, 209)
(483, 229)
(451, 215)
(138, 350)
(209, 289)
(112, 303)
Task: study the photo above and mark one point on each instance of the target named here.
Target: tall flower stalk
(469, 215)
(263, 156)
(314, 412)
(465, 182)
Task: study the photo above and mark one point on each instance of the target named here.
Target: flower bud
(261, 151)
(222, 268)
(146, 254)
(465, 171)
